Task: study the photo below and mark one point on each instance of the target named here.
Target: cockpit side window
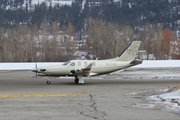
(66, 63)
(72, 64)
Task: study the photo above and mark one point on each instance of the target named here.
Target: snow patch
(169, 100)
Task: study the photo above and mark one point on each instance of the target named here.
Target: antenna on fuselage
(97, 58)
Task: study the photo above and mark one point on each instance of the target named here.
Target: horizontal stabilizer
(136, 62)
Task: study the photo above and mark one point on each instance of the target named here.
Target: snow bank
(169, 101)
(145, 64)
(25, 66)
(159, 63)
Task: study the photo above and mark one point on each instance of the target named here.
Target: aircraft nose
(34, 70)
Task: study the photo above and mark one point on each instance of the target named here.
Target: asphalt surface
(22, 97)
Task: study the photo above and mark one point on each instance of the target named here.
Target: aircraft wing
(85, 72)
(88, 67)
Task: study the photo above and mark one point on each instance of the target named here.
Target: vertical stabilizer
(129, 53)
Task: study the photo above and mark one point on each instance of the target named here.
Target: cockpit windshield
(66, 63)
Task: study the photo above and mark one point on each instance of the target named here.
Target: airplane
(86, 68)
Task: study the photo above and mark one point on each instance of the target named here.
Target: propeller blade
(36, 71)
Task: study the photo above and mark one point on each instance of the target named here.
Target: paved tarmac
(22, 97)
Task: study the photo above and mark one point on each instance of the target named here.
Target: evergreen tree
(129, 12)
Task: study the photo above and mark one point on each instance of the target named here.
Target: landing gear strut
(76, 80)
(79, 80)
(48, 82)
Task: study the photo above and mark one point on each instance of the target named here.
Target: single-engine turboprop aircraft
(86, 68)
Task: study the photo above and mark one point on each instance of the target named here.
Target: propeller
(35, 70)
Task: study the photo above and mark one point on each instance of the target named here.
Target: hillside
(129, 12)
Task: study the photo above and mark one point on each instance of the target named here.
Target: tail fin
(129, 53)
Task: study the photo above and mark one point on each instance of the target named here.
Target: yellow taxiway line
(41, 95)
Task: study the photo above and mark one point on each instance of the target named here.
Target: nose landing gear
(48, 82)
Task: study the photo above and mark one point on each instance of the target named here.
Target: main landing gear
(79, 80)
(76, 80)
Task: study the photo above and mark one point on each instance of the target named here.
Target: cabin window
(85, 63)
(94, 63)
(72, 64)
(79, 63)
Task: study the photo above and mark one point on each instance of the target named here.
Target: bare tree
(2, 44)
(69, 41)
(14, 41)
(158, 46)
(98, 37)
(55, 43)
(112, 40)
(36, 43)
(26, 43)
(44, 50)
(107, 39)
(176, 49)
(148, 36)
(168, 37)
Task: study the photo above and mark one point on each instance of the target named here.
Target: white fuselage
(99, 67)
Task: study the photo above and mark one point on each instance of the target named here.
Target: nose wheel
(48, 82)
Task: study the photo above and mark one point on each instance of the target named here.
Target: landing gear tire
(76, 80)
(48, 82)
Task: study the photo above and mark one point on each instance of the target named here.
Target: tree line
(53, 42)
